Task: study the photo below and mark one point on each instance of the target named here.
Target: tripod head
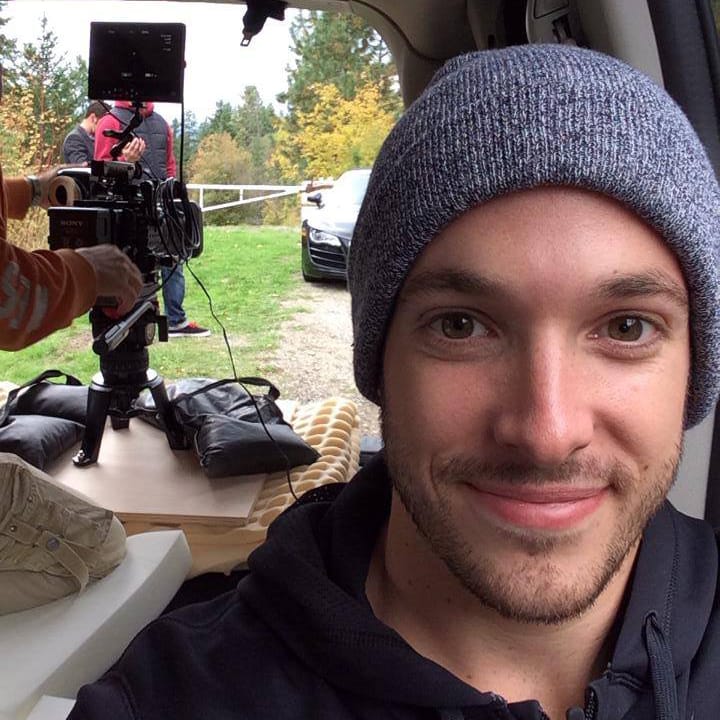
(122, 346)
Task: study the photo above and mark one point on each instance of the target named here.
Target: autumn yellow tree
(21, 144)
(43, 96)
(221, 160)
(20, 136)
(336, 134)
(59, 89)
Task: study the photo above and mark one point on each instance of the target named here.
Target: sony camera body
(110, 202)
(151, 220)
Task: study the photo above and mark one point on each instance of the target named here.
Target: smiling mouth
(542, 507)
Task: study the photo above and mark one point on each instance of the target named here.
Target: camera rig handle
(112, 337)
(126, 135)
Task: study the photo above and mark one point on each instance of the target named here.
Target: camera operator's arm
(44, 290)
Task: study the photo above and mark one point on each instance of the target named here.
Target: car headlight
(324, 238)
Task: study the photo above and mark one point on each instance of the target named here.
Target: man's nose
(546, 414)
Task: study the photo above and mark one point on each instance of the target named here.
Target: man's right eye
(458, 326)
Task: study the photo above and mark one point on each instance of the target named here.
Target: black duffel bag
(233, 431)
(41, 420)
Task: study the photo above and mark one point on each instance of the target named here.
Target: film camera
(150, 220)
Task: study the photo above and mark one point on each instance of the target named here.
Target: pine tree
(221, 121)
(337, 50)
(251, 125)
(58, 88)
(8, 47)
(191, 138)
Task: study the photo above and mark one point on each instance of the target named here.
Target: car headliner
(422, 34)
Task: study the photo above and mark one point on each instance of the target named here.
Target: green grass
(248, 272)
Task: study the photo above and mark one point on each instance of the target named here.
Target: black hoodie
(298, 639)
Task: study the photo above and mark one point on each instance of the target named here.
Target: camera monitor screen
(136, 61)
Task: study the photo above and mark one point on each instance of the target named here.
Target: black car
(327, 230)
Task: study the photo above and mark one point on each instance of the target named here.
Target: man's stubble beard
(535, 590)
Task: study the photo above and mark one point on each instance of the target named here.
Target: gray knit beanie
(493, 122)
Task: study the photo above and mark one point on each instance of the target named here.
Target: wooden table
(139, 477)
(149, 486)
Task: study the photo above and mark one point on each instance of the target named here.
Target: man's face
(94, 119)
(535, 373)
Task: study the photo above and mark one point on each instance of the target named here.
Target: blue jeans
(173, 292)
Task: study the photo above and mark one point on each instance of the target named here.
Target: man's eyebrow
(430, 281)
(646, 284)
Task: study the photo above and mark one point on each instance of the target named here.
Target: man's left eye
(628, 328)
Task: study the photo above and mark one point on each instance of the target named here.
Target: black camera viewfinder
(137, 61)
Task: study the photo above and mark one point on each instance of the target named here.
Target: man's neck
(86, 125)
(412, 591)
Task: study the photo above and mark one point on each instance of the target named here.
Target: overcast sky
(218, 68)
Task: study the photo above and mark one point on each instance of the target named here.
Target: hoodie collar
(674, 579)
(308, 582)
(147, 109)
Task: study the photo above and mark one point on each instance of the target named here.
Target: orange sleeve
(40, 291)
(18, 195)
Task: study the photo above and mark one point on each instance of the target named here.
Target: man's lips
(540, 507)
(547, 493)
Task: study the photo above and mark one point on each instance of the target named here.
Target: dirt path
(314, 359)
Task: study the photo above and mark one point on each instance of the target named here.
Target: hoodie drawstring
(662, 671)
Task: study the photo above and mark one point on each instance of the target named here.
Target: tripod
(124, 373)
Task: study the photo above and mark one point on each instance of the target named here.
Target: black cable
(272, 440)
(216, 318)
(182, 137)
(177, 227)
(280, 451)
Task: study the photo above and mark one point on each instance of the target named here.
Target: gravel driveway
(314, 358)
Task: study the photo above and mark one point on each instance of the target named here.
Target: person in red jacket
(44, 290)
(153, 148)
(156, 147)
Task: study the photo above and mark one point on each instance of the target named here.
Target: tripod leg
(119, 423)
(170, 424)
(97, 407)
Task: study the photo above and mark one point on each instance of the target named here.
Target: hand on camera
(115, 274)
(133, 150)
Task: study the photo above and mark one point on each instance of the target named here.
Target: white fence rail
(267, 192)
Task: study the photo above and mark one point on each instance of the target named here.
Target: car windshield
(350, 188)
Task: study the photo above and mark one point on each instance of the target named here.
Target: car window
(350, 188)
